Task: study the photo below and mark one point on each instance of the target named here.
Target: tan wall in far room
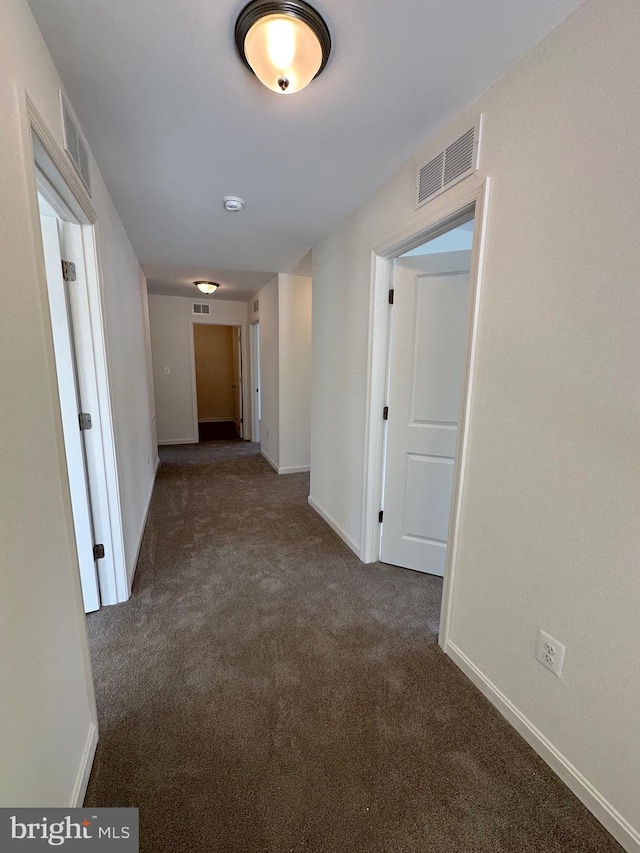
(214, 371)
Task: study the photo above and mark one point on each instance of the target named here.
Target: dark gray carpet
(264, 692)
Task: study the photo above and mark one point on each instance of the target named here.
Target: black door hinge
(391, 297)
(98, 552)
(380, 515)
(385, 413)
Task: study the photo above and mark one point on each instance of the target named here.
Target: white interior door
(255, 370)
(427, 360)
(70, 409)
(237, 380)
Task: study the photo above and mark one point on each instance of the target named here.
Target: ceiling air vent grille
(456, 162)
(74, 144)
(201, 308)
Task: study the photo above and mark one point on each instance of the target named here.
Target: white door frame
(435, 218)
(53, 176)
(254, 362)
(202, 321)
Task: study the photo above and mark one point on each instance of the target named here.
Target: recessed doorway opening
(218, 381)
(72, 273)
(423, 324)
(256, 407)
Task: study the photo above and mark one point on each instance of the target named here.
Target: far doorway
(218, 374)
(427, 365)
(255, 380)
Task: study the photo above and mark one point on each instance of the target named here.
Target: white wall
(295, 372)
(549, 534)
(47, 713)
(285, 372)
(171, 323)
(269, 371)
(126, 320)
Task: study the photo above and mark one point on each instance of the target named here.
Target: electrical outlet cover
(550, 652)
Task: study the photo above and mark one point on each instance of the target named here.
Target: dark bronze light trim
(258, 9)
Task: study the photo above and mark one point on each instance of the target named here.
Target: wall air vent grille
(458, 158)
(256, 306)
(430, 178)
(74, 144)
(201, 308)
(456, 162)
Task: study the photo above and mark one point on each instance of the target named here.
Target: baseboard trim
(84, 771)
(216, 420)
(270, 461)
(179, 441)
(333, 524)
(295, 469)
(132, 571)
(608, 816)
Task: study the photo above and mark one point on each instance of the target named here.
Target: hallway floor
(265, 692)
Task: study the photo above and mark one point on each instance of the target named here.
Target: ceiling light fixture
(286, 43)
(233, 203)
(206, 286)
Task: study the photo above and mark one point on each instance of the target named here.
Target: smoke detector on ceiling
(233, 203)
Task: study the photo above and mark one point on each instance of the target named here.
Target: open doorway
(61, 277)
(218, 381)
(255, 379)
(72, 272)
(427, 350)
(442, 340)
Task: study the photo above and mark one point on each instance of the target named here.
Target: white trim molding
(84, 770)
(132, 572)
(291, 469)
(333, 524)
(608, 816)
(270, 461)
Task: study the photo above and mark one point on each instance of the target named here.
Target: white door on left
(70, 409)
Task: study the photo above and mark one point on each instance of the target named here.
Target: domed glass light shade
(284, 42)
(206, 286)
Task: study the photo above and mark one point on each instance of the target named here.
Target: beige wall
(285, 371)
(268, 298)
(549, 533)
(295, 372)
(47, 711)
(126, 320)
(171, 322)
(214, 371)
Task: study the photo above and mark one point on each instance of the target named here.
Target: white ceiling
(176, 121)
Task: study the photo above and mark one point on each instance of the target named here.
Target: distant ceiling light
(286, 43)
(233, 203)
(206, 286)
